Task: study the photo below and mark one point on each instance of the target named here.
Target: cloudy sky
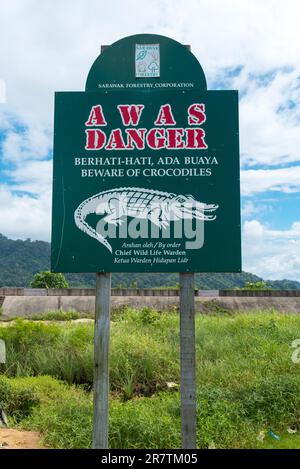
(250, 46)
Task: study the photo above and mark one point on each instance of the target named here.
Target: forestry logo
(147, 61)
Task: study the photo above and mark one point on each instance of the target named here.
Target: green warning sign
(146, 178)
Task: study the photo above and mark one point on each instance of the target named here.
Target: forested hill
(20, 260)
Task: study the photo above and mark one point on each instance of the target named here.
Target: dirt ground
(16, 439)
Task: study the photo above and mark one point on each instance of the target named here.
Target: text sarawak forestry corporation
(159, 137)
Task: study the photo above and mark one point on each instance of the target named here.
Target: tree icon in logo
(153, 67)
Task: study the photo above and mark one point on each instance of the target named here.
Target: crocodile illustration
(146, 204)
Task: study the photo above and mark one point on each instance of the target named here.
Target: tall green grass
(226, 419)
(246, 380)
(144, 352)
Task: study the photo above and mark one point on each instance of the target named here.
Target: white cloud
(261, 180)
(23, 216)
(25, 204)
(34, 177)
(249, 208)
(33, 143)
(270, 119)
(272, 254)
(51, 45)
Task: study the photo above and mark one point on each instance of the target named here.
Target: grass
(246, 380)
(55, 315)
(286, 442)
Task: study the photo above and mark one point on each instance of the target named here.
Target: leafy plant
(256, 286)
(47, 279)
(18, 399)
(134, 284)
(149, 316)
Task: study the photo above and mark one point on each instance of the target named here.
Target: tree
(256, 286)
(48, 279)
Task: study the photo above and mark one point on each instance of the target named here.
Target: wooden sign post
(2, 351)
(101, 360)
(187, 361)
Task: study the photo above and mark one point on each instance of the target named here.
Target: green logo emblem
(147, 60)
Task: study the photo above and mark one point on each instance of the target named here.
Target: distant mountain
(20, 260)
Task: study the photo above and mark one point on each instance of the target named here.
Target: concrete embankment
(25, 302)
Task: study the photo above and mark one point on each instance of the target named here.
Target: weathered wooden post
(188, 358)
(2, 351)
(187, 361)
(101, 360)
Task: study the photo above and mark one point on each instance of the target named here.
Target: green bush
(17, 398)
(65, 415)
(149, 316)
(35, 348)
(152, 422)
(48, 279)
(256, 286)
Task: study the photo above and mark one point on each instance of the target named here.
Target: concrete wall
(142, 292)
(28, 305)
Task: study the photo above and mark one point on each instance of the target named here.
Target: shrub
(149, 316)
(65, 416)
(256, 286)
(134, 284)
(17, 398)
(48, 279)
